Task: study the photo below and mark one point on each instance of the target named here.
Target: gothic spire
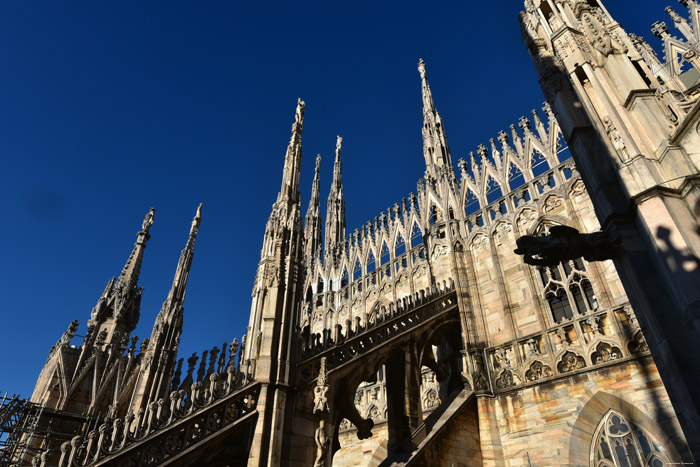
(130, 274)
(335, 213)
(312, 225)
(176, 296)
(435, 148)
(292, 160)
(158, 362)
(121, 298)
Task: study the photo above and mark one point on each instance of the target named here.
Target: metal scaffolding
(27, 429)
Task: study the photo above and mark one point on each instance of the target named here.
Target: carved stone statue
(616, 139)
(566, 243)
(322, 444)
(421, 68)
(321, 390)
(148, 220)
(299, 115)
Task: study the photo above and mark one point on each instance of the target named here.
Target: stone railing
(167, 427)
(391, 323)
(586, 341)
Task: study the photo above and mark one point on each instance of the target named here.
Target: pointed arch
(385, 254)
(515, 176)
(592, 427)
(416, 235)
(371, 261)
(538, 163)
(357, 272)
(492, 190)
(399, 245)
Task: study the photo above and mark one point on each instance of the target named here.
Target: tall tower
(631, 127)
(158, 358)
(275, 307)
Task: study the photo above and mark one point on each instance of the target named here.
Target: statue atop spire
(338, 145)
(292, 160)
(299, 115)
(148, 220)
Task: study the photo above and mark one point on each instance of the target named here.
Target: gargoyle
(566, 243)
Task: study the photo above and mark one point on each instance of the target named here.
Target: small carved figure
(566, 243)
(299, 115)
(322, 444)
(148, 220)
(321, 390)
(616, 139)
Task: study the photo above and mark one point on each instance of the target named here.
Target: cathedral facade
(422, 338)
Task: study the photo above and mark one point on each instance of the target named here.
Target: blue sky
(108, 109)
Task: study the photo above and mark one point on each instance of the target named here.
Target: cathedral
(424, 338)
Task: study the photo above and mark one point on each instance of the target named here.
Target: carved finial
(659, 29)
(148, 220)
(338, 145)
(318, 163)
(421, 68)
(299, 115)
(196, 222)
(674, 16)
(524, 123)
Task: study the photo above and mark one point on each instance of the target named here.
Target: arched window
(619, 443)
(567, 287)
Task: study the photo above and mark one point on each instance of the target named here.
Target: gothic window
(620, 443)
(567, 287)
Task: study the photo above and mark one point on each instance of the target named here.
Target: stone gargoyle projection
(566, 243)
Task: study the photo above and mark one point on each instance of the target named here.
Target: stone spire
(335, 213)
(313, 227)
(292, 160)
(119, 305)
(159, 358)
(435, 148)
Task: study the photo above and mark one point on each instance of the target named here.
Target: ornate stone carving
(570, 362)
(507, 379)
(616, 139)
(638, 343)
(552, 203)
(321, 390)
(565, 243)
(538, 370)
(605, 352)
